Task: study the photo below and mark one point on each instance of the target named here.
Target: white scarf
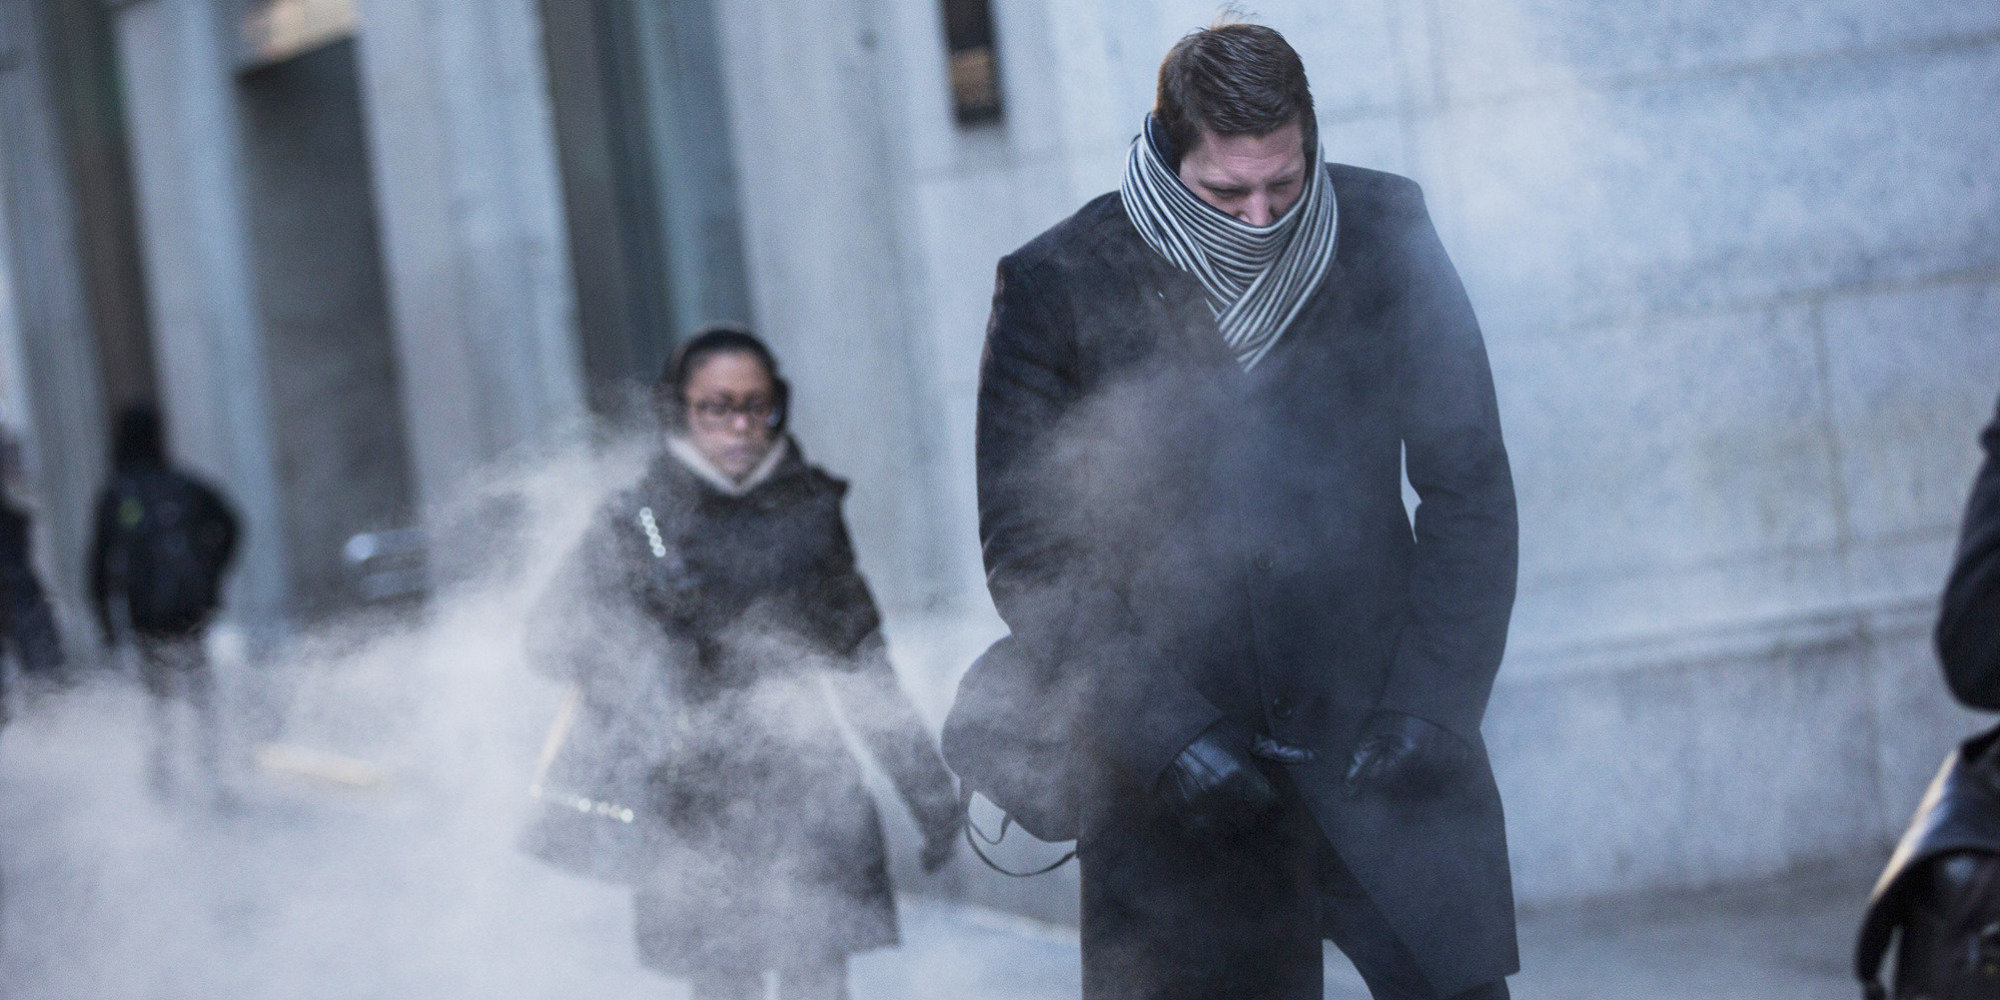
(705, 470)
(1257, 277)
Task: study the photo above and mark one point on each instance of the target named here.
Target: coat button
(1263, 562)
(1281, 708)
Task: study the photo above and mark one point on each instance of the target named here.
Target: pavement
(330, 876)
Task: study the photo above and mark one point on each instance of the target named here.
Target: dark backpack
(166, 551)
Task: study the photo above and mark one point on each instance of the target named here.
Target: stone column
(462, 146)
(823, 193)
(54, 397)
(178, 60)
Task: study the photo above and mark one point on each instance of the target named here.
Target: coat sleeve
(874, 703)
(841, 612)
(1462, 576)
(846, 620)
(1050, 580)
(1968, 629)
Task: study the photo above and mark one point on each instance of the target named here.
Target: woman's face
(731, 401)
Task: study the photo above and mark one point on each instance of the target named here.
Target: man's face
(1252, 177)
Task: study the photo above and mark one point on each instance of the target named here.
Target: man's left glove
(1404, 755)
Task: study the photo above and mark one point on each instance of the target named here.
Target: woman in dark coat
(697, 619)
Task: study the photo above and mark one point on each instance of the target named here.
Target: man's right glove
(1214, 787)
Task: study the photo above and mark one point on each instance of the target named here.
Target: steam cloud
(382, 766)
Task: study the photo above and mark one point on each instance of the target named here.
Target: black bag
(166, 552)
(613, 784)
(1009, 737)
(590, 792)
(1940, 892)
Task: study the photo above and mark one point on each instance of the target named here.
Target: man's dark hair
(670, 389)
(137, 441)
(1236, 79)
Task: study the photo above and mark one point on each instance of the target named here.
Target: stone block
(1687, 773)
(1377, 141)
(1582, 207)
(963, 224)
(1669, 443)
(1561, 623)
(1919, 721)
(1899, 571)
(1914, 374)
(1489, 47)
(1355, 51)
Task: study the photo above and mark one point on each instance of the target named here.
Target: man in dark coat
(1968, 630)
(1197, 400)
(163, 540)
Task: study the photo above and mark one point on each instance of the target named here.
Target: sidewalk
(1789, 939)
(414, 892)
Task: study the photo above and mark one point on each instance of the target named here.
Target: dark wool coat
(1188, 542)
(708, 635)
(1968, 631)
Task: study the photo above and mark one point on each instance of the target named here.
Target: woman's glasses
(721, 414)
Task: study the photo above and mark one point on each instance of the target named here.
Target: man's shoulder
(1376, 183)
(195, 484)
(1367, 193)
(1099, 223)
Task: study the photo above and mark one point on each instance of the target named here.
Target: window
(974, 64)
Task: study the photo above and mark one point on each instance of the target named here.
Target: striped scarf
(1257, 278)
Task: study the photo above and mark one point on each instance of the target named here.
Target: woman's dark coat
(704, 638)
(1186, 542)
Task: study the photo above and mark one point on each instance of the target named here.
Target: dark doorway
(333, 375)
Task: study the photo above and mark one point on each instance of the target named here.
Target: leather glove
(1214, 787)
(1403, 755)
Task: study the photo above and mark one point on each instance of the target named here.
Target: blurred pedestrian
(26, 622)
(163, 542)
(698, 618)
(1197, 400)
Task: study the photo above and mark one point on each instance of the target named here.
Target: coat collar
(693, 461)
(1120, 250)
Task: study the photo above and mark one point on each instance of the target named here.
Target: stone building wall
(1736, 267)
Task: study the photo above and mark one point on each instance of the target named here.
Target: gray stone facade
(1736, 270)
(1736, 265)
